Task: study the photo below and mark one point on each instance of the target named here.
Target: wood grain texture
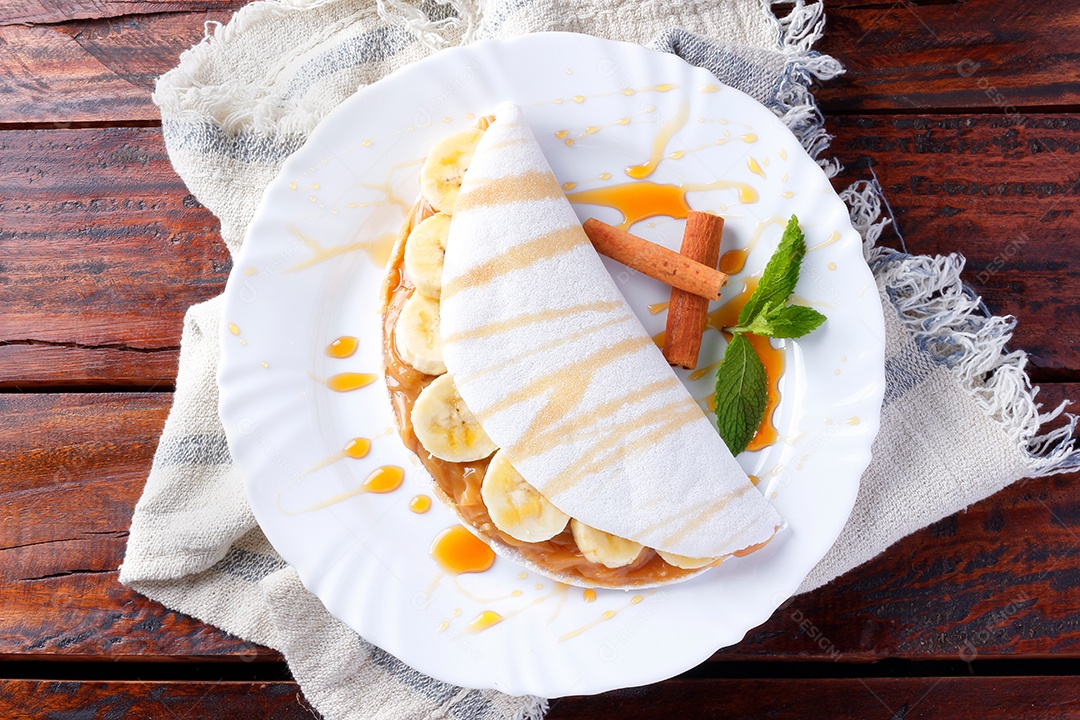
(73, 467)
(1000, 190)
(837, 699)
(973, 54)
(998, 580)
(102, 250)
(28, 12)
(958, 698)
(92, 70)
(68, 700)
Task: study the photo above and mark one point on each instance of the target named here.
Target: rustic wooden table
(965, 109)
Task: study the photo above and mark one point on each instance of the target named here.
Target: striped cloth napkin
(247, 96)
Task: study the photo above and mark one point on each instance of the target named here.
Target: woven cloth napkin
(959, 422)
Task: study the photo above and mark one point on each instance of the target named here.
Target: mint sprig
(741, 381)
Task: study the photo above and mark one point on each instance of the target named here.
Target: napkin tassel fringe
(953, 326)
(433, 31)
(535, 709)
(794, 104)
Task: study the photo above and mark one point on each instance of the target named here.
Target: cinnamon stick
(686, 312)
(656, 261)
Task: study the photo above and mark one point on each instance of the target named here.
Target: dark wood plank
(1003, 192)
(69, 700)
(1012, 698)
(974, 54)
(999, 580)
(102, 249)
(27, 12)
(73, 467)
(34, 364)
(92, 70)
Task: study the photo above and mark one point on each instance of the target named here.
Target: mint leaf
(780, 276)
(785, 322)
(741, 394)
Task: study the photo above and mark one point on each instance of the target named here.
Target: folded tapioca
(553, 424)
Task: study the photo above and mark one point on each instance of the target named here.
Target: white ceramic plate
(310, 272)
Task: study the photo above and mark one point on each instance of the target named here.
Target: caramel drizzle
(522, 321)
(377, 249)
(511, 142)
(667, 131)
(547, 246)
(544, 439)
(528, 186)
(690, 526)
(679, 516)
(567, 382)
(667, 419)
(550, 345)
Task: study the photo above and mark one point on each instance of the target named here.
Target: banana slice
(516, 507)
(416, 334)
(424, 250)
(600, 547)
(446, 427)
(440, 177)
(686, 563)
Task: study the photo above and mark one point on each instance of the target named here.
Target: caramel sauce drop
(702, 372)
(590, 595)
(772, 358)
(383, 480)
(637, 201)
(485, 620)
(420, 504)
(357, 448)
(459, 551)
(733, 261)
(657, 308)
(343, 347)
(347, 382)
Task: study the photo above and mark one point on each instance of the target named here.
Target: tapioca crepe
(561, 375)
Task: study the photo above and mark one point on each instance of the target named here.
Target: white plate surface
(310, 271)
